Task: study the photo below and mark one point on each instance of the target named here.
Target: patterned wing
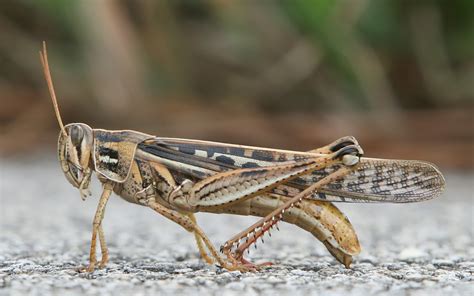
(380, 180)
(373, 180)
(196, 159)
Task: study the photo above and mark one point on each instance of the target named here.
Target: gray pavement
(413, 249)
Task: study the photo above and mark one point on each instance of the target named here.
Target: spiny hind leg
(235, 247)
(224, 188)
(322, 219)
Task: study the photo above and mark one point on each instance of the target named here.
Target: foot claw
(243, 265)
(86, 269)
(104, 261)
(258, 266)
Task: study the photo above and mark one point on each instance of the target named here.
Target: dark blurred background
(398, 75)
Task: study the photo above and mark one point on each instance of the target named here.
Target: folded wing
(373, 180)
(381, 180)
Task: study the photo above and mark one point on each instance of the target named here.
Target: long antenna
(49, 81)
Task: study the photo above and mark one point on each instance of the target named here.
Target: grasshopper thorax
(74, 153)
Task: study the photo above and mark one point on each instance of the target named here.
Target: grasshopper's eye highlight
(76, 135)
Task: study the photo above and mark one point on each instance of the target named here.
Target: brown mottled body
(179, 177)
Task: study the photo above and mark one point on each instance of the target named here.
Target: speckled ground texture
(412, 249)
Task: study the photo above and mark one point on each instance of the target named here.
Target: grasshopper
(179, 177)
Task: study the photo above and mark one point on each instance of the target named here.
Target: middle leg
(188, 223)
(200, 243)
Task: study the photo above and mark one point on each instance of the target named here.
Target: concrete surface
(414, 249)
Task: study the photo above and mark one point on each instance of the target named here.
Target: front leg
(103, 248)
(98, 231)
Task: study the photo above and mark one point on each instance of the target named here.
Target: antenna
(49, 81)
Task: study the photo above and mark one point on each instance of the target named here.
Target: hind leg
(322, 219)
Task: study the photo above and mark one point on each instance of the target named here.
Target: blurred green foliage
(397, 74)
(272, 55)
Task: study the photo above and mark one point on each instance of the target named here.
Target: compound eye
(77, 134)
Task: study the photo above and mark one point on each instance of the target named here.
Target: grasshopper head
(74, 153)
